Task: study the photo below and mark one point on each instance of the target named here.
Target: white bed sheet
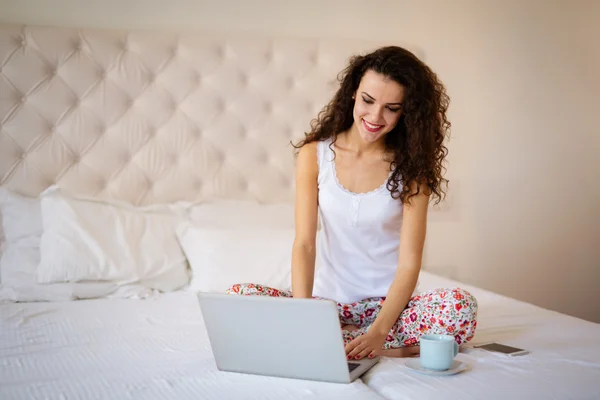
(150, 349)
(564, 362)
(130, 349)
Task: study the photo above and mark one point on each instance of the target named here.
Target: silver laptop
(278, 336)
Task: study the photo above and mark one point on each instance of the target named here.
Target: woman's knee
(246, 289)
(464, 301)
(235, 289)
(465, 305)
(253, 289)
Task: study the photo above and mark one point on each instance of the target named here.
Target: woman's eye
(392, 109)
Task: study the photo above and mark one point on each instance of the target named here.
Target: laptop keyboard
(353, 366)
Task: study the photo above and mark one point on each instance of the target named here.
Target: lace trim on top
(343, 188)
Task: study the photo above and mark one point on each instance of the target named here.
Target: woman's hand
(367, 345)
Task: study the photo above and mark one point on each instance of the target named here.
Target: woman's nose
(376, 114)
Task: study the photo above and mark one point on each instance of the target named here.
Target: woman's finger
(372, 354)
(353, 343)
(354, 348)
(360, 347)
(364, 353)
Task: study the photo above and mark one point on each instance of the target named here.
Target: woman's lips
(372, 127)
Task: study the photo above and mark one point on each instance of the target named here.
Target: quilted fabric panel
(153, 117)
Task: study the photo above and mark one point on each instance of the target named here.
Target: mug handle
(455, 348)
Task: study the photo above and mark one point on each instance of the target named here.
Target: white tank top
(357, 249)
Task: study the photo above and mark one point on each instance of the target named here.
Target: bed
(120, 151)
(150, 349)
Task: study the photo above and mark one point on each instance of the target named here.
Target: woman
(369, 167)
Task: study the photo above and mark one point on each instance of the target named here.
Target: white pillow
(21, 216)
(22, 226)
(222, 257)
(89, 240)
(232, 214)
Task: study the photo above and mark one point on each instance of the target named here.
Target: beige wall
(522, 218)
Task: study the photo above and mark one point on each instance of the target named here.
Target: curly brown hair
(417, 141)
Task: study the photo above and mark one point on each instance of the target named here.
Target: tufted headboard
(154, 117)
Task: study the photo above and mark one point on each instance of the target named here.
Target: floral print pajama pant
(438, 311)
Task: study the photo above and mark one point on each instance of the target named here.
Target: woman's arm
(306, 219)
(412, 240)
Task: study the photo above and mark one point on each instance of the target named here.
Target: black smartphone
(502, 348)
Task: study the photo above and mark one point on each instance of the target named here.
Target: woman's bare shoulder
(307, 157)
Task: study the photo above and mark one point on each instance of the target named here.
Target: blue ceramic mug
(438, 351)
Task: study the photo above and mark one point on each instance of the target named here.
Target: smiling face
(377, 106)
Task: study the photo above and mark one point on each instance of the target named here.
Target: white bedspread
(564, 362)
(129, 349)
(151, 349)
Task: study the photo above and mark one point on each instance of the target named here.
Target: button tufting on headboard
(154, 117)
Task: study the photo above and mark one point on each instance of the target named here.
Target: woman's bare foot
(412, 351)
(350, 328)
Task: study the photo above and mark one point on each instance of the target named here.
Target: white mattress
(132, 349)
(129, 349)
(564, 362)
